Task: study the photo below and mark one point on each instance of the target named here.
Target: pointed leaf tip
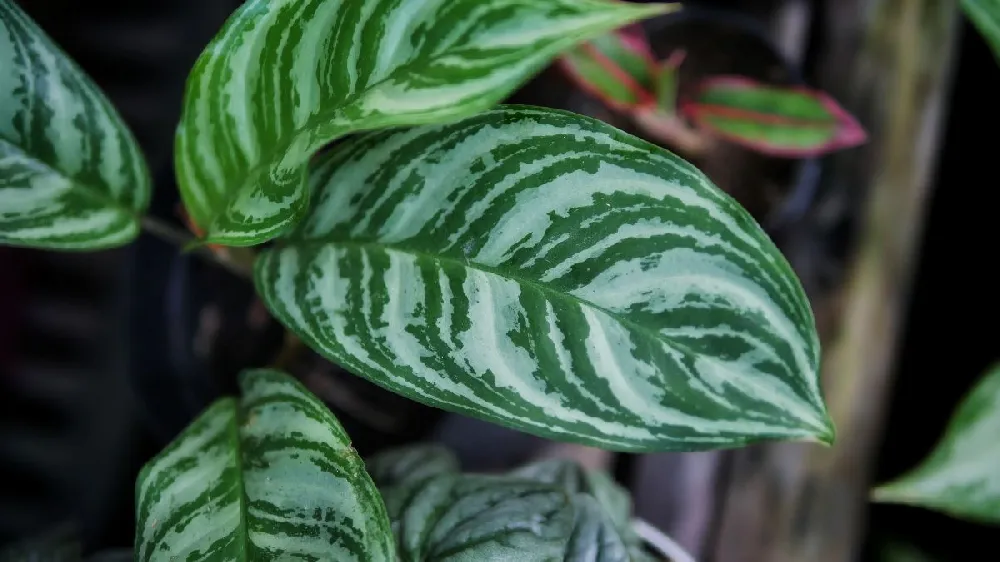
(461, 282)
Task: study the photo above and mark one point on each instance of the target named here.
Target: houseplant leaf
(285, 77)
(619, 68)
(545, 271)
(266, 476)
(497, 518)
(409, 463)
(71, 174)
(792, 122)
(961, 477)
(985, 15)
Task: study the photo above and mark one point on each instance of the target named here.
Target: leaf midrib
(543, 288)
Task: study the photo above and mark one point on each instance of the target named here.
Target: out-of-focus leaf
(72, 176)
(985, 15)
(961, 477)
(618, 68)
(778, 121)
(403, 465)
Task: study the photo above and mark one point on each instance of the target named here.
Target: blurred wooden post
(888, 61)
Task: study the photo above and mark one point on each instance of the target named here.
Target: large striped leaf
(985, 15)
(285, 77)
(269, 477)
(544, 271)
(779, 121)
(961, 477)
(71, 174)
(471, 517)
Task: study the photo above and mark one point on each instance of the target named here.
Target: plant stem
(662, 543)
(670, 129)
(178, 237)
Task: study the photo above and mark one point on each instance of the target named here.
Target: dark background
(76, 417)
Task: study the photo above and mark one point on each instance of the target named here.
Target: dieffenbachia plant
(621, 70)
(286, 77)
(985, 15)
(71, 174)
(961, 477)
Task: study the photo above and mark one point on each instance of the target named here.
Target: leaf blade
(960, 476)
(241, 154)
(72, 176)
(985, 15)
(447, 266)
(779, 121)
(272, 474)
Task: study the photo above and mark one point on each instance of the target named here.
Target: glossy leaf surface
(545, 271)
(271, 476)
(779, 121)
(961, 477)
(286, 77)
(71, 174)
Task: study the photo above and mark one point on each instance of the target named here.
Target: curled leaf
(618, 68)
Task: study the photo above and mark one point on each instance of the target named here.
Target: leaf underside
(961, 476)
(286, 77)
(782, 121)
(271, 476)
(544, 271)
(71, 174)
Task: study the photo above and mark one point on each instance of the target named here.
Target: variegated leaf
(271, 476)
(961, 477)
(544, 271)
(614, 501)
(498, 518)
(410, 463)
(286, 77)
(618, 68)
(776, 120)
(985, 15)
(71, 174)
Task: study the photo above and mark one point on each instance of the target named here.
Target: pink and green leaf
(618, 68)
(668, 82)
(774, 120)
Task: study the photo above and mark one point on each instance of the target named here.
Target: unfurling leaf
(545, 271)
(961, 477)
(985, 15)
(774, 120)
(71, 174)
(618, 68)
(286, 77)
(271, 476)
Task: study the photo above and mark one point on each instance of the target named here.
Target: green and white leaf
(614, 500)
(71, 174)
(472, 517)
(547, 272)
(286, 77)
(961, 477)
(411, 463)
(985, 15)
(271, 476)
